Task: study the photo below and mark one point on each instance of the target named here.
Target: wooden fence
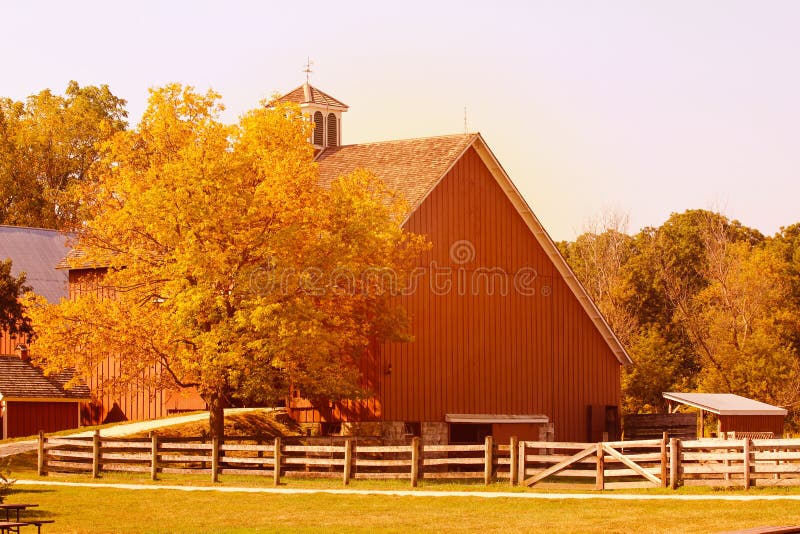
(349, 459)
(604, 465)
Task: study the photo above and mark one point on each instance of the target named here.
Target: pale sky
(647, 108)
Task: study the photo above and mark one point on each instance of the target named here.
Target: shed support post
(702, 424)
(513, 460)
(96, 454)
(276, 462)
(41, 462)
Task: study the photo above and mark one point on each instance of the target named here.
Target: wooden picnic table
(8, 507)
(10, 525)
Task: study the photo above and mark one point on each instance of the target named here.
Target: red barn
(507, 341)
(505, 337)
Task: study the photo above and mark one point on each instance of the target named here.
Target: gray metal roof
(36, 251)
(725, 403)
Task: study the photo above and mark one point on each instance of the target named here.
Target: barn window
(469, 433)
(331, 429)
(319, 128)
(332, 139)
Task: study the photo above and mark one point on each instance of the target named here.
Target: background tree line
(702, 303)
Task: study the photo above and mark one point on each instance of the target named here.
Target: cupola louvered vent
(333, 140)
(319, 129)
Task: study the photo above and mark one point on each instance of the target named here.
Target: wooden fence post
(488, 461)
(96, 454)
(215, 459)
(727, 462)
(276, 462)
(414, 461)
(599, 481)
(153, 456)
(521, 463)
(348, 460)
(746, 453)
(664, 460)
(674, 463)
(41, 462)
(513, 460)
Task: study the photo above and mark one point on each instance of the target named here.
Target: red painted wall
(140, 403)
(28, 418)
(752, 423)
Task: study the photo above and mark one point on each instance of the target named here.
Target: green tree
(233, 271)
(48, 144)
(12, 313)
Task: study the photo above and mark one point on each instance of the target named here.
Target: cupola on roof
(307, 94)
(323, 110)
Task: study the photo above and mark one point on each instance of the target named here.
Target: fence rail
(605, 465)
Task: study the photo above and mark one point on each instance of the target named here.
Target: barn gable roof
(414, 168)
(36, 251)
(21, 380)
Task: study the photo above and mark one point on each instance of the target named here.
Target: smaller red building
(32, 402)
(735, 413)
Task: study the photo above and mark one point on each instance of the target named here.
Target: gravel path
(122, 429)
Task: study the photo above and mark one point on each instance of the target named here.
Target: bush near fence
(604, 465)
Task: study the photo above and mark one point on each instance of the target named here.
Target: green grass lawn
(123, 511)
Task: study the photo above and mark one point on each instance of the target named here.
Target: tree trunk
(216, 416)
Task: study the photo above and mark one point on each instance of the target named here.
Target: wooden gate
(610, 465)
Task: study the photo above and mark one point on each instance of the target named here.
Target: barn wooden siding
(752, 423)
(8, 344)
(139, 403)
(24, 418)
(482, 353)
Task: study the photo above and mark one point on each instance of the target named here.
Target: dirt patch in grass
(262, 424)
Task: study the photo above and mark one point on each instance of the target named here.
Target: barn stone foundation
(434, 433)
(363, 428)
(394, 432)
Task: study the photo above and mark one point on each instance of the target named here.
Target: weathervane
(307, 68)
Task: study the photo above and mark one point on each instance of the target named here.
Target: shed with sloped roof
(735, 413)
(32, 402)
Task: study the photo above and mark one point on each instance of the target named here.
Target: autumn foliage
(702, 303)
(232, 269)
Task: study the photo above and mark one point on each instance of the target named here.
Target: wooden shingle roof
(411, 167)
(21, 380)
(308, 94)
